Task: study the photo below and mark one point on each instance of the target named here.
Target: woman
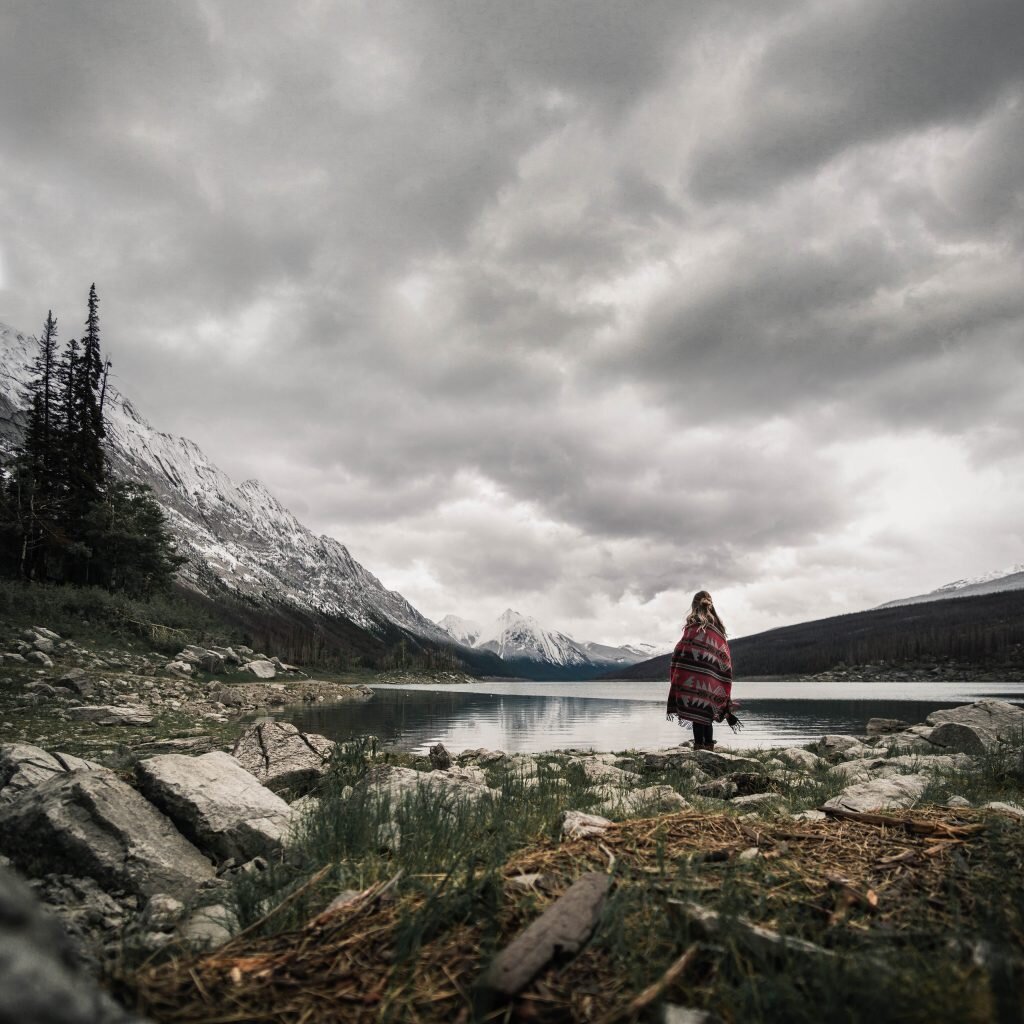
(701, 674)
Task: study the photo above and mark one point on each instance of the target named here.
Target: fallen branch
(911, 825)
(654, 990)
(562, 929)
(758, 939)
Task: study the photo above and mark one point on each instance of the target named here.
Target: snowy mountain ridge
(240, 533)
(995, 582)
(517, 637)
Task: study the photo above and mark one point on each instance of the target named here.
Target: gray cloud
(575, 308)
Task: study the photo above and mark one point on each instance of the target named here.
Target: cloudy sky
(573, 306)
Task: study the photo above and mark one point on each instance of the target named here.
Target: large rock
(885, 726)
(91, 823)
(880, 794)
(216, 804)
(983, 725)
(110, 714)
(395, 782)
(262, 669)
(201, 658)
(602, 774)
(41, 981)
(580, 825)
(23, 766)
(281, 757)
(649, 800)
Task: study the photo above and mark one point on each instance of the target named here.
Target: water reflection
(529, 717)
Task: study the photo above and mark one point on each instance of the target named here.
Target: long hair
(702, 613)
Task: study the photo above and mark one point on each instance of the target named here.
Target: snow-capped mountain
(463, 631)
(521, 638)
(240, 533)
(515, 637)
(995, 582)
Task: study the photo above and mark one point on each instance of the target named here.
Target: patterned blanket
(701, 677)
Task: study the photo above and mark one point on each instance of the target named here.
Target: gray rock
(880, 794)
(580, 825)
(1004, 807)
(649, 800)
(797, 757)
(48, 633)
(44, 644)
(958, 801)
(440, 758)
(603, 774)
(91, 823)
(281, 757)
(216, 804)
(755, 800)
(829, 746)
(396, 782)
(111, 714)
(983, 725)
(162, 913)
(884, 726)
(209, 927)
(40, 978)
(468, 773)
(810, 816)
(38, 658)
(23, 766)
(75, 679)
(262, 669)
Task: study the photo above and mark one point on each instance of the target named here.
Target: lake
(524, 716)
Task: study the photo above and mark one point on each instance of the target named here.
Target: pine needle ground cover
(918, 916)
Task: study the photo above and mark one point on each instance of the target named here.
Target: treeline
(62, 518)
(986, 631)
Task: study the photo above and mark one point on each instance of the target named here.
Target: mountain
(976, 636)
(237, 535)
(539, 652)
(462, 631)
(995, 582)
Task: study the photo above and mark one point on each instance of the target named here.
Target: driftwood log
(561, 931)
(758, 939)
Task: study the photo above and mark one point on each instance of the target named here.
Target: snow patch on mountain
(241, 534)
(462, 631)
(517, 637)
(998, 581)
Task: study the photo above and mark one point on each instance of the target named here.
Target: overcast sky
(575, 306)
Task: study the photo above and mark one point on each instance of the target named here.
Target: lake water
(524, 716)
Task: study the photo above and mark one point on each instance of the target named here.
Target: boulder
(395, 783)
(797, 757)
(23, 766)
(440, 758)
(755, 801)
(209, 927)
(179, 668)
(281, 757)
(91, 823)
(216, 803)
(1004, 807)
(649, 800)
(880, 794)
(44, 644)
(48, 633)
(579, 825)
(110, 714)
(603, 774)
(41, 979)
(262, 669)
(39, 658)
(885, 726)
(983, 725)
(75, 679)
(719, 763)
(842, 748)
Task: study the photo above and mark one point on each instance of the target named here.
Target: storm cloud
(572, 307)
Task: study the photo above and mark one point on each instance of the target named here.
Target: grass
(944, 943)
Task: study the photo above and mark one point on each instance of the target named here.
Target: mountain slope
(981, 634)
(240, 535)
(995, 582)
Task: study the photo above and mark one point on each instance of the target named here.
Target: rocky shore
(140, 813)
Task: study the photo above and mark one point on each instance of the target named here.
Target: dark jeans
(702, 733)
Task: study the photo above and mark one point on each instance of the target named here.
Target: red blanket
(701, 676)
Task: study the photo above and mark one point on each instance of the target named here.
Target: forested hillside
(986, 632)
